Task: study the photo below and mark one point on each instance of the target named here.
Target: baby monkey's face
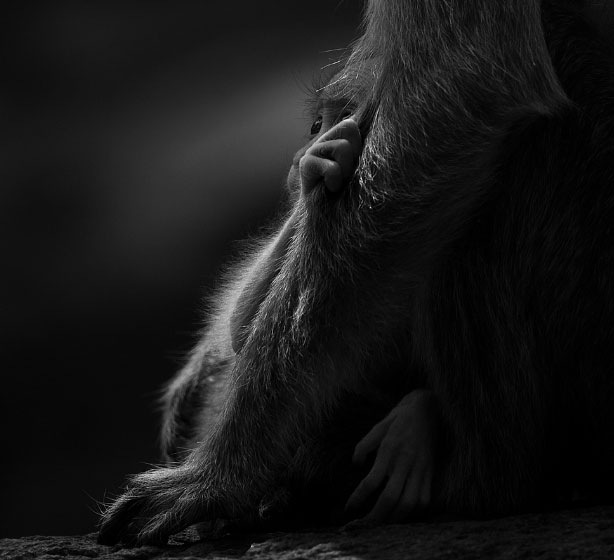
(331, 154)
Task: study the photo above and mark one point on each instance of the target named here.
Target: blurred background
(139, 142)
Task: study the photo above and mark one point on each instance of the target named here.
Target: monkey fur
(470, 255)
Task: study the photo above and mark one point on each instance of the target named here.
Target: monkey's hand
(332, 158)
(157, 504)
(403, 468)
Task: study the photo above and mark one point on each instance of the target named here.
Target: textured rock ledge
(582, 533)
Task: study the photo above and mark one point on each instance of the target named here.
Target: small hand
(332, 158)
(405, 442)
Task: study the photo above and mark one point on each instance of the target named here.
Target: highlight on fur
(467, 260)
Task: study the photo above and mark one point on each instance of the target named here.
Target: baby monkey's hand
(402, 473)
(332, 158)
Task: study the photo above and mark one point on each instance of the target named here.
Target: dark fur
(472, 254)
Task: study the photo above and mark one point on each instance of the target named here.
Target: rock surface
(581, 533)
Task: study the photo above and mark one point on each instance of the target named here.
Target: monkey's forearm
(257, 282)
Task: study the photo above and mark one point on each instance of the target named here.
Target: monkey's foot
(157, 504)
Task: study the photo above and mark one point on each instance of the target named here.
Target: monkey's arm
(256, 282)
(330, 160)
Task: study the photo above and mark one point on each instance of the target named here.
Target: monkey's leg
(194, 404)
(231, 473)
(256, 283)
(192, 400)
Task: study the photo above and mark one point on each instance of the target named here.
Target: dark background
(138, 140)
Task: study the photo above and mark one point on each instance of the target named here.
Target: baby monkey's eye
(317, 125)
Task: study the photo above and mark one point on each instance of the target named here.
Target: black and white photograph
(324, 280)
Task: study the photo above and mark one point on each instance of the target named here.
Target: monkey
(430, 329)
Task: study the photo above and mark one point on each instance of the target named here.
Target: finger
(425, 496)
(347, 129)
(186, 510)
(339, 150)
(370, 442)
(117, 517)
(369, 485)
(314, 169)
(160, 528)
(389, 498)
(410, 499)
